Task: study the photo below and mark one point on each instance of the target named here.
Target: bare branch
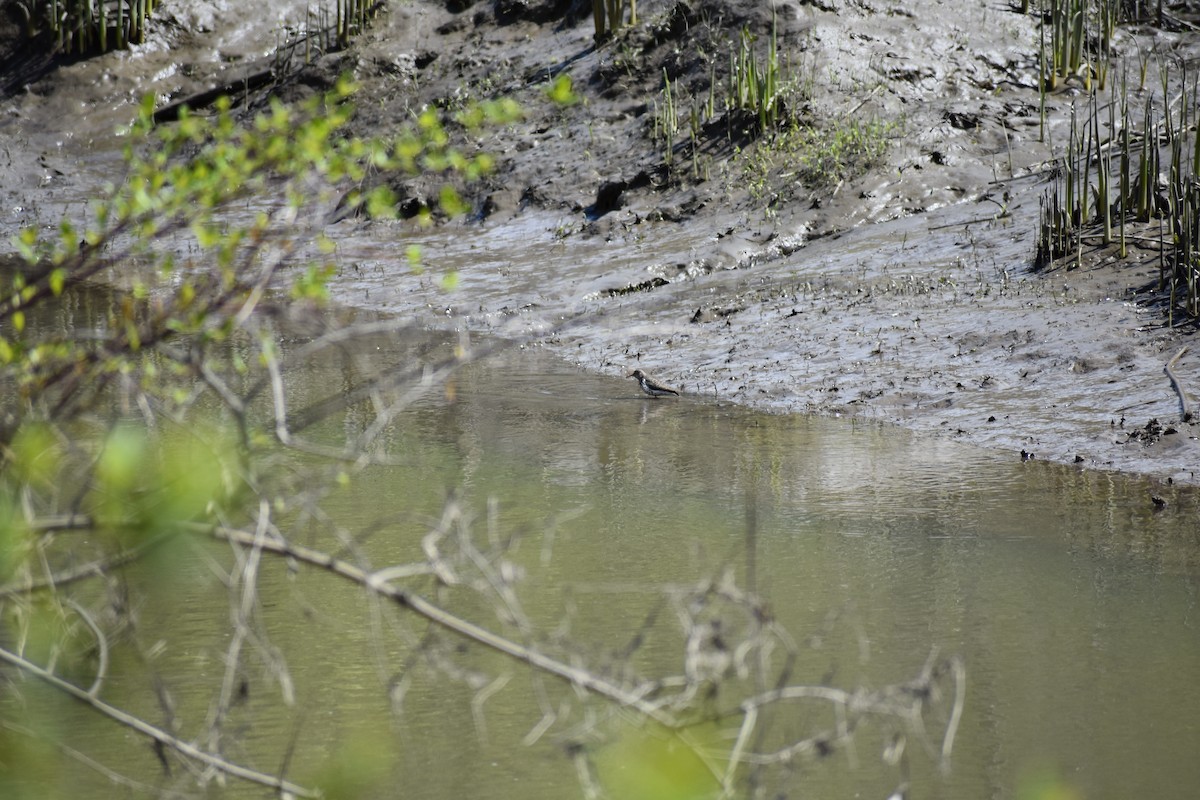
(157, 734)
(581, 678)
(93, 569)
(101, 646)
(111, 775)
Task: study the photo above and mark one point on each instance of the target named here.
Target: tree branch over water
(173, 440)
(157, 734)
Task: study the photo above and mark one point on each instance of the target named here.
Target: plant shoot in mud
(817, 158)
(1110, 190)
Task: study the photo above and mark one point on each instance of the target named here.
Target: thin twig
(635, 698)
(960, 700)
(157, 734)
(101, 647)
(1185, 407)
(93, 569)
(111, 775)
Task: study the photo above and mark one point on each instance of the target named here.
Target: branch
(157, 734)
(92, 569)
(101, 646)
(1185, 409)
(376, 582)
(905, 701)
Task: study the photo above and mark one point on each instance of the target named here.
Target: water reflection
(1071, 600)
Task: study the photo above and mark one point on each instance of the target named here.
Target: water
(1070, 600)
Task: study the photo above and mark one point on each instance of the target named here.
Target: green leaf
(58, 279)
(312, 285)
(25, 242)
(381, 203)
(413, 254)
(35, 455)
(18, 321)
(68, 238)
(451, 203)
(561, 91)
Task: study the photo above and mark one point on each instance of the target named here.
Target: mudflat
(877, 261)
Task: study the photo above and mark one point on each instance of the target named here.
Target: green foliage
(28, 757)
(141, 486)
(562, 92)
(87, 26)
(755, 84)
(838, 153)
(1127, 174)
(1045, 783)
(649, 762)
(1080, 40)
(213, 216)
(351, 17)
(102, 462)
(183, 181)
(818, 157)
(362, 768)
(762, 98)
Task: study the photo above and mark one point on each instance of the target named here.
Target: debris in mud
(1150, 433)
(644, 286)
(963, 121)
(608, 198)
(703, 315)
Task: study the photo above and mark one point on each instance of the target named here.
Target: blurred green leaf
(35, 456)
(361, 768)
(412, 254)
(381, 203)
(58, 279)
(562, 92)
(451, 203)
(649, 762)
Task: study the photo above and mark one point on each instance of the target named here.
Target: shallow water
(1071, 602)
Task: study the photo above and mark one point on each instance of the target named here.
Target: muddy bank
(902, 293)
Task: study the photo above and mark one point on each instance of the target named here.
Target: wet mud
(903, 294)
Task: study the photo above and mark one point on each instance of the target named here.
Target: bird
(650, 387)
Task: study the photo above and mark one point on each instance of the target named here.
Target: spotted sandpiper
(650, 387)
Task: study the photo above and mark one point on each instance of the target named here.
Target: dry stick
(157, 734)
(112, 776)
(857, 702)
(101, 647)
(93, 569)
(1184, 405)
(960, 702)
(240, 619)
(372, 581)
(444, 619)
